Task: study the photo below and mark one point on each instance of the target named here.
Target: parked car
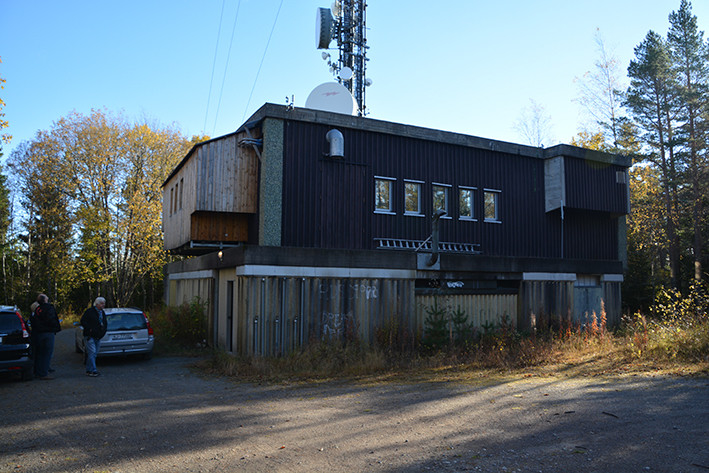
(129, 333)
(15, 346)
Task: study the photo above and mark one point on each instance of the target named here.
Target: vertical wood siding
(481, 309)
(526, 230)
(185, 291)
(220, 176)
(592, 185)
(545, 303)
(548, 303)
(276, 315)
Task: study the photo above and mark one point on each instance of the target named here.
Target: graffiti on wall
(334, 325)
(355, 289)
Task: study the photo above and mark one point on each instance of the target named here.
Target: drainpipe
(433, 259)
(562, 228)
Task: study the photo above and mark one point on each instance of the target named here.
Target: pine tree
(689, 54)
(652, 99)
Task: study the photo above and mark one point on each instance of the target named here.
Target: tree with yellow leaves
(104, 175)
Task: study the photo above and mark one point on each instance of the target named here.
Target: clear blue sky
(468, 66)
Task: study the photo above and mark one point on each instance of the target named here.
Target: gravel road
(160, 416)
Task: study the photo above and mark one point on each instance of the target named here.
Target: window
(492, 205)
(412, 197)
(177, 191)
(440, 197)
(466, 203)
(172, 200)
(382, 195)
(182, 186)
(621, 177)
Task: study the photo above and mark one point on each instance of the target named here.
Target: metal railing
(417, 245)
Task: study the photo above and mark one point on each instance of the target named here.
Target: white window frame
(496, 193)
(447, 198)
(419, 184)
(391, 181)
(473, 192)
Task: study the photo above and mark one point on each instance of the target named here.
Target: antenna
(346, 22)
(332, 97)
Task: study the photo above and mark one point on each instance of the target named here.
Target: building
(307, 224)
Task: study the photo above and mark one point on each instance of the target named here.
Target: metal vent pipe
(337, 143)
(433, 259)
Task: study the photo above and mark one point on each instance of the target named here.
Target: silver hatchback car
(129, 333)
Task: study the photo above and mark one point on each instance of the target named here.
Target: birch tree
(106, 175)
(600, 95)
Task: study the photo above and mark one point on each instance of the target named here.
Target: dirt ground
(161, 416)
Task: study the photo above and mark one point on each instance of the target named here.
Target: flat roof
(270, 110)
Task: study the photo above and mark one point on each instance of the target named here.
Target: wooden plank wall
(176, 223)
(219, 226)
(545, 304)
(481, 309)
(219, 176)
(227, 177)
(276, 315)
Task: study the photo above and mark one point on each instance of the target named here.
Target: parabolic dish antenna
(332, 97)
(346, 73)
(323, 28)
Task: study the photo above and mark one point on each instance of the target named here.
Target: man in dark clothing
(45, 324)
(95, 325)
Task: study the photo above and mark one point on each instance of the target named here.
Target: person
(45, 324)
(28, 322)
(33, 307)
(95, 325)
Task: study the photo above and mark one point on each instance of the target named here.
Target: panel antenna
(345, 22)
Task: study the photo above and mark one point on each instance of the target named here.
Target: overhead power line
(226, 67)
(214, 63)
(262, 58)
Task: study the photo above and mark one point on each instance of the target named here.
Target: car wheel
(148, 356)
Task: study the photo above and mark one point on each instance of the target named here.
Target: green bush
(184, 326)
(677, 329)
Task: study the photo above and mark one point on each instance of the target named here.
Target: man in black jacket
(95, 326)
(45, 324)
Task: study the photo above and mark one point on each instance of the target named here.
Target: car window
(9, 322)
(126, 321)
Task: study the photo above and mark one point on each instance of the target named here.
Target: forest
(80, 203)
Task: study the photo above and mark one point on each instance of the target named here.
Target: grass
(638, 348)
(673, 339)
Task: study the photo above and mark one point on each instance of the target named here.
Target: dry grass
(639, 349)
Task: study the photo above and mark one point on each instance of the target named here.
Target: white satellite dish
(323, 28)
(332, 97)
(336, 8)
(346, 73)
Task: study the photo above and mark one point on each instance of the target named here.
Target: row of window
(176, 197)
(441, 194)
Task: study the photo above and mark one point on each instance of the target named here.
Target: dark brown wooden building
(303, 223)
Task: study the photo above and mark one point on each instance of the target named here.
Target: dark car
(129, 333)
(15, 348)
